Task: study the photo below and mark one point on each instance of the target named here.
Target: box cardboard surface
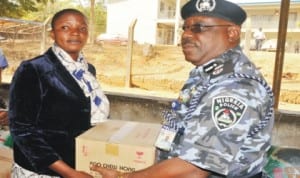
(121, 145)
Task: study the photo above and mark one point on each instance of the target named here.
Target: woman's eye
(64, 27)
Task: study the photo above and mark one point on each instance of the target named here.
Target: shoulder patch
(227, 111)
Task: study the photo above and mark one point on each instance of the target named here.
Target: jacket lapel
(63, 75)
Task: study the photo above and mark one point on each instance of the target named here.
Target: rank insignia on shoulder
(208, 68)
(218, 70)
(221, 69)
(227, 111)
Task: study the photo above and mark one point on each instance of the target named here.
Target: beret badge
(205, 5)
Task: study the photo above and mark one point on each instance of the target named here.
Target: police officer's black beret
(215, 8)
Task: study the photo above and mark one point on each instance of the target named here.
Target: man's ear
(234, 33)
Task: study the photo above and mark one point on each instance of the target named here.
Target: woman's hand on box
(3, 118)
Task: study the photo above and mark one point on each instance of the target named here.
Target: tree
(92, 19)
(46, 9)
(96, 13)
(18, 8)
(40, 10)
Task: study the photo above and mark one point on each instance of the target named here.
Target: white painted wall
(120, 14)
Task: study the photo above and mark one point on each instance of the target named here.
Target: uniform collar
(218, 66)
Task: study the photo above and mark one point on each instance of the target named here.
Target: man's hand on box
(164, 169)
(107, 173)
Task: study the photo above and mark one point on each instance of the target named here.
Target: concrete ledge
(139, 96)
(295, 114)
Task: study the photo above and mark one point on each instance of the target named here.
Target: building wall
(120, 15)
(157, 22)
(267, 16)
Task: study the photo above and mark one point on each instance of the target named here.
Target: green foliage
(40, 10)
(46, 8)
(45, 1)
(21, 8)
(16, 8)
(100, 17)
(100, 22)
(27, 5)
(9, 9)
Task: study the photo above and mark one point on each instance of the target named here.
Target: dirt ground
(157, 70)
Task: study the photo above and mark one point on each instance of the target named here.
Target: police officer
(222, 120)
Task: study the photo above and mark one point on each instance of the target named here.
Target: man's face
(70, 33)
(200, 44)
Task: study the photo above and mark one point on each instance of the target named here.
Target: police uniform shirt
(227, 109)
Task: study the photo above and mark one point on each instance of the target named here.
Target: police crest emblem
(205, 5)
(227, 111)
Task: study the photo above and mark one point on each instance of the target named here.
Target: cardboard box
(121, 145)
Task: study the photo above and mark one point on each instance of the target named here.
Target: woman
(53, 99)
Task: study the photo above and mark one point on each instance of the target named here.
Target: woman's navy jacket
(47, 110)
